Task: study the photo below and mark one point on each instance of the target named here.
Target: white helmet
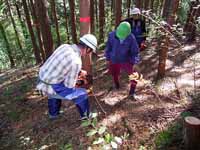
(135, 11)
(89, 40)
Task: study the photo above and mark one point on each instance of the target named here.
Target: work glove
(84, 79)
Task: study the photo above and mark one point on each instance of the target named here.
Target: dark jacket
(122, 52)
(138, 29)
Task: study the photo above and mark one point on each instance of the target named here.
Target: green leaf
(91, 132)
(98, 141)
(85, 123)
(108, 138)
(102, 130)
(114, 145)
(94, 122)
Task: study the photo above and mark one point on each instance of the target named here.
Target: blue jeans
(77, 95)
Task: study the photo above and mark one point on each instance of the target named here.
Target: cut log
(192, 133)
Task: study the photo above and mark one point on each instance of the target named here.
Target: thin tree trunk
(44, 26)
(172, 17)
(92, 16)
(191, 34)
(53, 9)
(152, 6)
(9, 53)
(66, 19)
(73, 20)
(36, 24)
(128, 7)
(167, 8)
(23, 26)
(15, 29)
(163, 56)
(96, 14)
(118, 12)
(28, 20)
(146, 4)
(138, 3)
(101, 20)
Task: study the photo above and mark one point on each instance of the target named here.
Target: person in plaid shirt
(58, 76)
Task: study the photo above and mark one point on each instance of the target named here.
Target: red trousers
(115, 69)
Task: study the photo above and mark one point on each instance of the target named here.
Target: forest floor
(153, 121)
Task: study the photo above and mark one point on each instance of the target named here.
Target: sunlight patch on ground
(115, 97)
(189, 47)
(112, 119)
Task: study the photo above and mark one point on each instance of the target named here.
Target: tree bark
(36, 25)
(15, 29)
(101, 20)
(146, 4)
(192, 133)
(152, 6)
(92, 16)
(163, 56)
(96, 14)
(84, 29)
(9, 53)
(44, 26)
(167, 8)
(23, 26)
(172, 17)
(128, 7)
(66, 19)
(34, 44)
(73, 20)
(55, 20)
(138, 4)
(118, 12)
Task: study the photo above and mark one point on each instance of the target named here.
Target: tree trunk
(167, 8)
(163, 56)
(15, 29)
(118, 11)
(189, 17)
(44, 26)
(92, 16)
(66, 19)
(9, 53)
(28, 20)
(192, 133)
(101, 20)
(84, 29)
(36, 24)
(55, 20)
(138, 4)
(190, 27)
(172, 17)
(146, 4)
(128, 7)
(73, 20)
(113, 10)
(152, 6)
(23, 26)
(96, 14)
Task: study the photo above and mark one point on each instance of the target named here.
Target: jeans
(77, 95)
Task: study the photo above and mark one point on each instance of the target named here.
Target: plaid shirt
(62, 66)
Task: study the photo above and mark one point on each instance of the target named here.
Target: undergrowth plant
(101, 138)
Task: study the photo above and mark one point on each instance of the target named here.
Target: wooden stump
(192, 133)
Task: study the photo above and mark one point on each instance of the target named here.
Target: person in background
(59, 74)
(137, 27)
(121, 53)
